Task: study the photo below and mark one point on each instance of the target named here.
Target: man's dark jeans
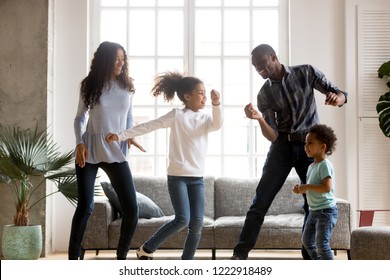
(281, 158)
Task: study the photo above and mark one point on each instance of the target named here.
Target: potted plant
(383, 106)
(28, 158)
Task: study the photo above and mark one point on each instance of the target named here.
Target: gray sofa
(227, 201)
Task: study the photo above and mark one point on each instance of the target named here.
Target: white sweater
(188, 138)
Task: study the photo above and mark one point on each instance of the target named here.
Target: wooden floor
(200, 255)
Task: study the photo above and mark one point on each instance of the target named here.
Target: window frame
(255, 140)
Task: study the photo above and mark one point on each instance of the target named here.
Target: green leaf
(67, 185)
(383, 105)
(384, 70)
(383, 110)
(27, 158)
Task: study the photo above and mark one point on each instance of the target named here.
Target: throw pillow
(112, 197)
(146, 207)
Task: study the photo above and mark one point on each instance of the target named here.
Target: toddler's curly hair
(326, 135)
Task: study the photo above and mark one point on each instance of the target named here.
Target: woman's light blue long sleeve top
(112, 113)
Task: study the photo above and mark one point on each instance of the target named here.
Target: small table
(367, 216)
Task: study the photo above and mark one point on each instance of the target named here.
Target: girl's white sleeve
(217, 118)
(144, 128)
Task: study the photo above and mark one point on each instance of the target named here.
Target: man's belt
(299, 136)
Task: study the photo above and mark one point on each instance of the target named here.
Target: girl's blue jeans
(318, 231)
(122, 181)
(187, 197)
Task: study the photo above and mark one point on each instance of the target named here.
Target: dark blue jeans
(281, 158)
(122, 181)
(318, 231)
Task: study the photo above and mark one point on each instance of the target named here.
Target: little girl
(320, 142)
(187, 152)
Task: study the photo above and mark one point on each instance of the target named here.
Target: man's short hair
(263, 48)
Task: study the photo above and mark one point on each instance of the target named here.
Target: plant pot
(22, 242)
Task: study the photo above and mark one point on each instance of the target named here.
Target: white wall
(317, 37)
(351, 124)
(70, 67)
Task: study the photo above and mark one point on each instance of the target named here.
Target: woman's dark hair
(100, 73)
(326, 135)
(170, 82)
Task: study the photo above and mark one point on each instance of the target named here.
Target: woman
(105, 105)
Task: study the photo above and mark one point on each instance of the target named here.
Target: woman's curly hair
(326, 135)
(102, 67)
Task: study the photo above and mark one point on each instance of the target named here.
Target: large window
(210, 39)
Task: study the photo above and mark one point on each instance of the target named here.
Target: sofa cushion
(234, 196)
(146, 207)
(156, 188)
(286, 201)
(147, 227)
(282, 221)
(112, 197)
(278, 231)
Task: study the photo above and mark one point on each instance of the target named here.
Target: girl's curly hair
(170, 82)
(326, 135)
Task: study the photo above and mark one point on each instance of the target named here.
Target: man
(287, 109)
